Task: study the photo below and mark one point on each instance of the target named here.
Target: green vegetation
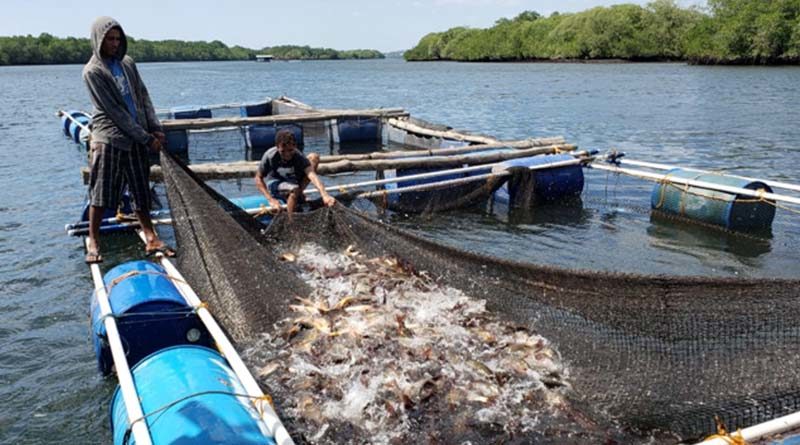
(731, 31)
(307, 53)
(46, 49)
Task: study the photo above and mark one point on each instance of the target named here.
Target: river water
(740, 119)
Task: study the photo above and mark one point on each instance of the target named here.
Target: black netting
(647, 354)
(221, 257)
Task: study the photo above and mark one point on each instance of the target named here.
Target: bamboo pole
(448, 134)
(194, 124)
(527, 143)
(342, 188)
(296, 103)
(656, 166)
(465, 180)
(438, 161)
(581, 157)
(262, 405)
(234, 170)
(760, 431)
(130, 397)
(695, 183)
(81, 228)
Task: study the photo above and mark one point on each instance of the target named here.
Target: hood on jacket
(99, 29)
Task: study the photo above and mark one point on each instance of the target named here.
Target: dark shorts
(112, 169)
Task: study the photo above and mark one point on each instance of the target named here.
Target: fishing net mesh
(649, 355)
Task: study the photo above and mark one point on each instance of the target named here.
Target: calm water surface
(743, 120)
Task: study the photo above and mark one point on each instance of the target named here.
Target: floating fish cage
(149, 328)
(725, 201)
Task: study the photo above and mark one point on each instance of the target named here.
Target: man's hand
(155, 144)
(329, 200)
(274, 206)
(160, 136)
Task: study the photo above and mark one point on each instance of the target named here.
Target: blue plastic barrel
(194, 386)
(359, 129)
(731, 211)
(151, 314)
(261, 137)
(791, 439)
(190, 112)
(254, 202)
(127, 208)
(550, 184)
(66, 122)
(256, 109)
(177, 141)
(75, 129)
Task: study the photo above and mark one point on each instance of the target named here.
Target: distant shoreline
(612, 61)
(728, 32)
(49, 50)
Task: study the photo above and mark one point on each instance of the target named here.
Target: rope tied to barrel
(118, 317)
(134, 273)
(202, 305)
(662, 193)
(263, 210)
(722, 433)
(256, 400)
(123, 217)
(259, 403)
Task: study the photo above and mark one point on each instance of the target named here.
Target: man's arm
(153, 124)
(326, 198)
(274, 204)
(103, 100)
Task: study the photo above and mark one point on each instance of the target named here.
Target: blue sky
(386, 25)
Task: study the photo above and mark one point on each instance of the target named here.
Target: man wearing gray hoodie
(123, 126)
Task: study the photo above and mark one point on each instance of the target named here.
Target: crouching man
(284, 172)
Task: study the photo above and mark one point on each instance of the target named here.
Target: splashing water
(381, 353)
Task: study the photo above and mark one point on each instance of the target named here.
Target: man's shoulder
(128, 60)
(267, 157)
(300, 157)
(272, 151)
(91, 67)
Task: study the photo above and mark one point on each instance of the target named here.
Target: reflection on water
(670, 232)
(569, 212)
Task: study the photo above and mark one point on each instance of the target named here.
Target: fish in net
(649, 358)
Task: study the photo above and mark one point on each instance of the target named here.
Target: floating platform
(150, 328)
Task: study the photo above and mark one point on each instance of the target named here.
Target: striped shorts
(112, 169)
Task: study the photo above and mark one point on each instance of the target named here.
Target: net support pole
(72, 119)
(438, 173)
(762, 430)
(695, 183)
(268, 414)
(459, 181)
(126, 384)
(657, 166)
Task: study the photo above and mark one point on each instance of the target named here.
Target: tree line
(47, 49)
(308, 53)
(726, 32)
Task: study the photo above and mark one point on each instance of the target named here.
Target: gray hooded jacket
(112, 123)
